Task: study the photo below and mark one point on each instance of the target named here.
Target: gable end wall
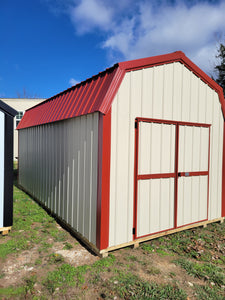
(170, 92)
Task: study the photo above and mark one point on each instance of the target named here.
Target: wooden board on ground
(5, 230)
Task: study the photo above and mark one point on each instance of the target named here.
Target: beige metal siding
(156, 148)
(170, 92)
(58, 165)
(155, 211)
(193, 149)
(192, 191)
(192, 199)
(156, 154)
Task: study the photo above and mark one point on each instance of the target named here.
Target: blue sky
(48, 45)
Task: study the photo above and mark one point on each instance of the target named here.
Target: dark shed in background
(6, 166)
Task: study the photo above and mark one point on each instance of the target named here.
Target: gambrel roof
(97, 93)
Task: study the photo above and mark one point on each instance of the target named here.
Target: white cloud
(73, 81)
(167, 29)
(134, 29)
(91, 14)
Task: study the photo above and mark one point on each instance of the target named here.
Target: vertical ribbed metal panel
(169, 92)
(155, 210)
(2, 158)
(58, 165)
(192, 191)
(156, 148)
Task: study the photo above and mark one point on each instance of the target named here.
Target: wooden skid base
(5, 230)
(136, 242)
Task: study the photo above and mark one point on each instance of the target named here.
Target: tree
(25, 94)
(220, 68)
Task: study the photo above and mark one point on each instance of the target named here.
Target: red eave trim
(103, 197)
(148, 62)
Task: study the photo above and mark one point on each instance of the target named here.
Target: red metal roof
(97, 92)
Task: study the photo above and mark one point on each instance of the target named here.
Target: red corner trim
(109, 97)
(223, 175)
(104, 152)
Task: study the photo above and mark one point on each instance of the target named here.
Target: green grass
(198, 243)
(58, 236)
(152, 270)
(67, 246)
(22, 291)
(11, 291)
(14, 245)
(27, 214)
(29, 283)
(158, 248)
(38, 261)
(208, 292)
(67, 275)
(206, 271)
(129, 286)
(64, 275)
(56, 258)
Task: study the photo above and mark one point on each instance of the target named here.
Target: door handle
(179, 174)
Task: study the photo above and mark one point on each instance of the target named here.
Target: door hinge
(134, 231)
(135, 124)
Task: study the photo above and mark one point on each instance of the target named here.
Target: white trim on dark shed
(6, 165)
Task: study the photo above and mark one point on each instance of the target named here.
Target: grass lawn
(40, 260)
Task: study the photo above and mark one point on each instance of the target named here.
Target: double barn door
(171, 175)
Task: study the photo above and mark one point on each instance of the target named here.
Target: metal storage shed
(6, 166)
(130, 154)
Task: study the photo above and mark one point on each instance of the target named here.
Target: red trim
(192, 223)
(149, 62)
(160, 121)
(104, 152)
(149, 234)
(208, 177)
(155, 176)
(18, 178)
(223, 175)
(189, 174)
(169, 229)
(176, 178)
(114, 86)
(135, 177)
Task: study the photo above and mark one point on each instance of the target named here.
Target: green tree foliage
(220, 67)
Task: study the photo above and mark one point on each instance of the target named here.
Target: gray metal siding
(58, 164)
